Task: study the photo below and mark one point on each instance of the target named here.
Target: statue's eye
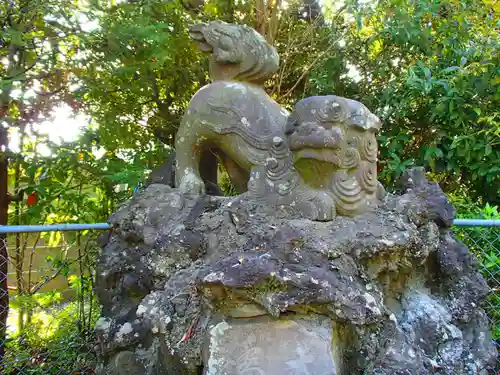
(335, 107)
(225, 42)
(291, 125)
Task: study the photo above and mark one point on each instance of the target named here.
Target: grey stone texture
(391, 291)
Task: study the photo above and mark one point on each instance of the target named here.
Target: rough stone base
(391, 292)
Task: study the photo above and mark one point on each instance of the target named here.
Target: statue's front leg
(279, 184)
(188, 146)
(190, 182)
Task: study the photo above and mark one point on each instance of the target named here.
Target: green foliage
(38, 40)
(76, 184)
(430, 70)
(225, 183)
(139, 72)
(56, 339)
(36, 301)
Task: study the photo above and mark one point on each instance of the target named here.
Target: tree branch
(50, 93)
(22, 72)
(260, 17)
(48, 279)
(307, 70)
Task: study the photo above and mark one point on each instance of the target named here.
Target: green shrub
(57, 337)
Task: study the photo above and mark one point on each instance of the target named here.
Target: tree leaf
(450, 69)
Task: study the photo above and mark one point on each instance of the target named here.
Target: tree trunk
(229, 11)
(260, 17)
(273, 8)
(19, 252)
(267, 18)
(4, 257)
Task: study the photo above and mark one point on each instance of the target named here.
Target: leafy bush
(429, 69)
(59, 338)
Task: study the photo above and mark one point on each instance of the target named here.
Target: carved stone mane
(335, 149)
(238, 52)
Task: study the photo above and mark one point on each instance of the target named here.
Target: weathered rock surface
(187, 281)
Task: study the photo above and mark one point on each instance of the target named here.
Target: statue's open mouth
(326, 155)
(317, 139)
(196, 32)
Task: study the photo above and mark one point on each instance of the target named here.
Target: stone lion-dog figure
(321, 158)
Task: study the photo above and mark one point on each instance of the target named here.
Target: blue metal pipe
(105, 226)
(476, 223)
(52, 228)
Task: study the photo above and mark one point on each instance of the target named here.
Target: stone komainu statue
(321, 159)
(193, 284)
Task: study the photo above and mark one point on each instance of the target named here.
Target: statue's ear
(197, 28)
(374, 123)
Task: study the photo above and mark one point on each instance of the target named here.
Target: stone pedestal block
(267, 346)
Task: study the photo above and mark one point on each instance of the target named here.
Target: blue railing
(105, 226)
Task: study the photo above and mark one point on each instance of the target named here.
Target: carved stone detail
(367, 177)
(348, 194)
(321, 159)
(337, 135)
(278, 183)
(238, 52)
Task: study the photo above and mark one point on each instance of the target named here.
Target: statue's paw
(319, 208)
(192, 184)
(381, 193)
(325, 206)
